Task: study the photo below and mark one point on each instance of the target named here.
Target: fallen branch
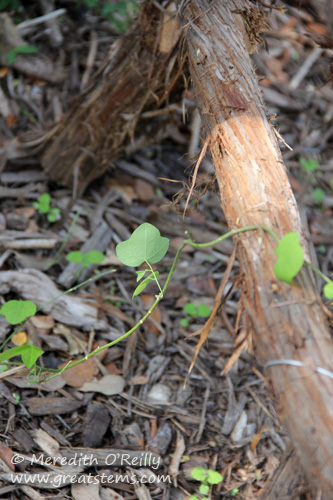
(288, 321)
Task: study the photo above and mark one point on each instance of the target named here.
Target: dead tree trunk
(287, 322)
(138, 74)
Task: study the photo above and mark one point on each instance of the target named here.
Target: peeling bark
(134, 77)
(287, 321)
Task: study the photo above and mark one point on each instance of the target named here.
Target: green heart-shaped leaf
(145, 245)
(75, 257)
(204, 489)
(16, 311)
(290, 258)
(44, 203)
(95, 257)
(310, 165)
(199, 474)
(191, 309)
(203, 311)
(28, 353)
(214, 477)
(328, 290)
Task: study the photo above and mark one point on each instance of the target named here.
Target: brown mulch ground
(133, 397)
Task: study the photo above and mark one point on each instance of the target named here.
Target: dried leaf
(145, 191)
(20, 338)
(113, 369)
(26, 212)
(73, 345)
(127, 193)
(79, 374)
(7, 454)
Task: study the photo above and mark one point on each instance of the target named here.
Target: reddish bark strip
(287, 321)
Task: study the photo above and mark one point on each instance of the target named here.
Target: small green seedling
(16, 396)
(200, 311)
(43, 205)
(15, 312)
(207, 479)
(86, 259)
(23, 49)
(145, 245)
(328, 290)
(309, 164)
(318, 195)
(234, 492)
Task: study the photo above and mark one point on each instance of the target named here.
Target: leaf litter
(223, 423)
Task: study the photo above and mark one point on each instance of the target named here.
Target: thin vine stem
(36, 373)
(322, 275)
(156, 280)
(71, 364)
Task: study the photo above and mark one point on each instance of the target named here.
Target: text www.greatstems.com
(56, 480)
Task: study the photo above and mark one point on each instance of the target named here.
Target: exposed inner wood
(287, 321)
